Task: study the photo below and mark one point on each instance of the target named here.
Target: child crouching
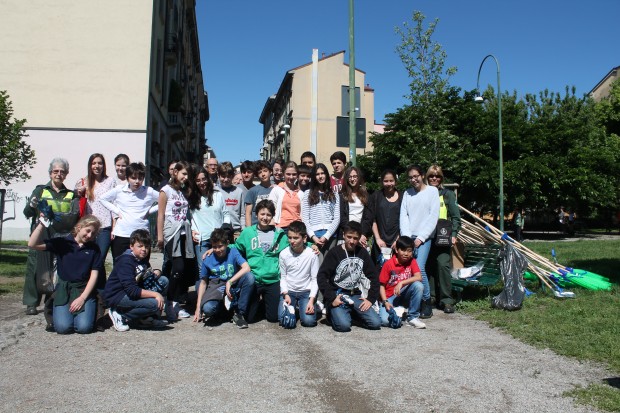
(299, 266)
(131, 305)
(220, 272)
(401, 284)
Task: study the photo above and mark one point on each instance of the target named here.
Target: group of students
(301, 244)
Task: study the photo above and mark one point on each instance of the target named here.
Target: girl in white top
(173, 230)
(93, 186)
(132, 203)
(419, 213)
(320, 210)
(208, 212)
(353, 200)
(287, 198)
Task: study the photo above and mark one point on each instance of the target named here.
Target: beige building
(602, 88)
(309, 112)
(110, 77)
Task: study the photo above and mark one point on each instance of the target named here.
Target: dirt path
(458, 364)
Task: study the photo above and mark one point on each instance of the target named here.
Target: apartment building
(310, 111)
(109, 77)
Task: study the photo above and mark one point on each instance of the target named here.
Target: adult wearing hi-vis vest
(439, 260)
(63, 202)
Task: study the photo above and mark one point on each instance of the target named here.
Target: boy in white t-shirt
(299, 266)
(132, 203)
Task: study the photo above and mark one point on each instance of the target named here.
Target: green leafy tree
(17, 156)
(418, 132)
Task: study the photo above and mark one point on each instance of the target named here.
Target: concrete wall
(51, 144)
(78, 71)
(77, 64)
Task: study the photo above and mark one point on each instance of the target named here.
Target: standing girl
(287, 198)
(382, 214)
(208, 211)
(419, 213)
(92, 187)
(121, 161)
(353, 200)
(320, 210)
(78, 260)
(173, 230)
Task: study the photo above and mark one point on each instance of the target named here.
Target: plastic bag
(512, 265)
(45, 272)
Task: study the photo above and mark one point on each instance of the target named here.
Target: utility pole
(352, 114)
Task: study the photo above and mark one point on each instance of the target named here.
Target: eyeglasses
(414, 177)
(352, 176)
(435, 177)
(59, 172)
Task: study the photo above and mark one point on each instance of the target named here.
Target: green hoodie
(264, 265)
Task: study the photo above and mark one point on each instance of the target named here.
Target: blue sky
(247, 46)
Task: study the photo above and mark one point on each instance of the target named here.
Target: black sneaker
(448, 309)
(426, 309)
(239, 320)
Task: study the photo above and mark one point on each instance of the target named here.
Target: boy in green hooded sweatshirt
(261, 244)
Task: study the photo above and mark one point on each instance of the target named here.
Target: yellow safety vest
(58, 205)
(443, 209)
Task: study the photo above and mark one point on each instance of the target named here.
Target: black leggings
(181, 274)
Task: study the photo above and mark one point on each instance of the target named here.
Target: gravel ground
(457, 364)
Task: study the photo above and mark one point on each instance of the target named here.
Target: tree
(418, 132)
(17, 156)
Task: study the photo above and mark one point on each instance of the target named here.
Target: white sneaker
(117, 321)
(183, 314)
(416, 322)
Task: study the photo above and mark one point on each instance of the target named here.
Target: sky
(246, 48)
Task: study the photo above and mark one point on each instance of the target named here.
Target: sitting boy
(349, 283)
(401, 284)
(220, 271)
(299, 266)
(129, 304)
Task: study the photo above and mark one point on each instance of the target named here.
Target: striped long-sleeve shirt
(323, 215)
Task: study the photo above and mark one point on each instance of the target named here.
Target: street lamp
(480, 99)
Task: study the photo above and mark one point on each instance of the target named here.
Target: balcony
(171, 48)
(176, 126)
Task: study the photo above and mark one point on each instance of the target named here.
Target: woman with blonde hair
(440, 263)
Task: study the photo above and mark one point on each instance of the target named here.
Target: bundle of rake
(482, 233)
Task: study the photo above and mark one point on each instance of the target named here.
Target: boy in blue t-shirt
(221, 271)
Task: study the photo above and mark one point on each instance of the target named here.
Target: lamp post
(480, 99)
(352, 114)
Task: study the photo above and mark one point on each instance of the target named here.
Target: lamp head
(479, 99)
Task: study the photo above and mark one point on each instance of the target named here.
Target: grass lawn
(586, 328)
(12, 263)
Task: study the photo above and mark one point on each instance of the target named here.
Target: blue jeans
(82, 323)
(134, 310)
(104, 240)
(421, 257)
(300, 300)
(200, 249)
(212, 307)
(245, 284)
(341, 316)
(409, 297)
